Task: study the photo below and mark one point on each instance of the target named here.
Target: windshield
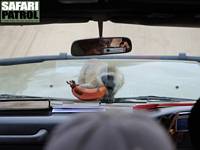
(51, 39)
(141, 77)
(167, 78)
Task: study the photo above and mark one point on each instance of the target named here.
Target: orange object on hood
(87, 94)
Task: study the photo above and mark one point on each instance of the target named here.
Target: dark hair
(90, 44)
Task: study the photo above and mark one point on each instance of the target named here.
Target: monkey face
(109, 83)
(113, 81)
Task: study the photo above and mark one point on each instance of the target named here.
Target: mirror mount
(100, 27)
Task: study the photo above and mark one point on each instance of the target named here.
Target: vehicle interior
(27, 119)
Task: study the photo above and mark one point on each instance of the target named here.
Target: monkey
(96, 73)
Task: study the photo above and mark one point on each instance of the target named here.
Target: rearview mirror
(101, 46)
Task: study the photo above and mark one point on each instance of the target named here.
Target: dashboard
(30, 130)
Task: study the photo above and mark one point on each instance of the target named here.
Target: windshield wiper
(139, 99)
(145, 99)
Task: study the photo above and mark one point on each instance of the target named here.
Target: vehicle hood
(161, 78)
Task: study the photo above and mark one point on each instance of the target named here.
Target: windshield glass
(141, 77)
(34, 40)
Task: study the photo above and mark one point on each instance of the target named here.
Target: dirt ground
(20, 41)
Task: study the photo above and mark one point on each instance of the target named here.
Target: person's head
(92, 47)
(110, 131)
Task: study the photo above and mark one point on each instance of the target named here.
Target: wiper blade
(150, 98)
(146, 99)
